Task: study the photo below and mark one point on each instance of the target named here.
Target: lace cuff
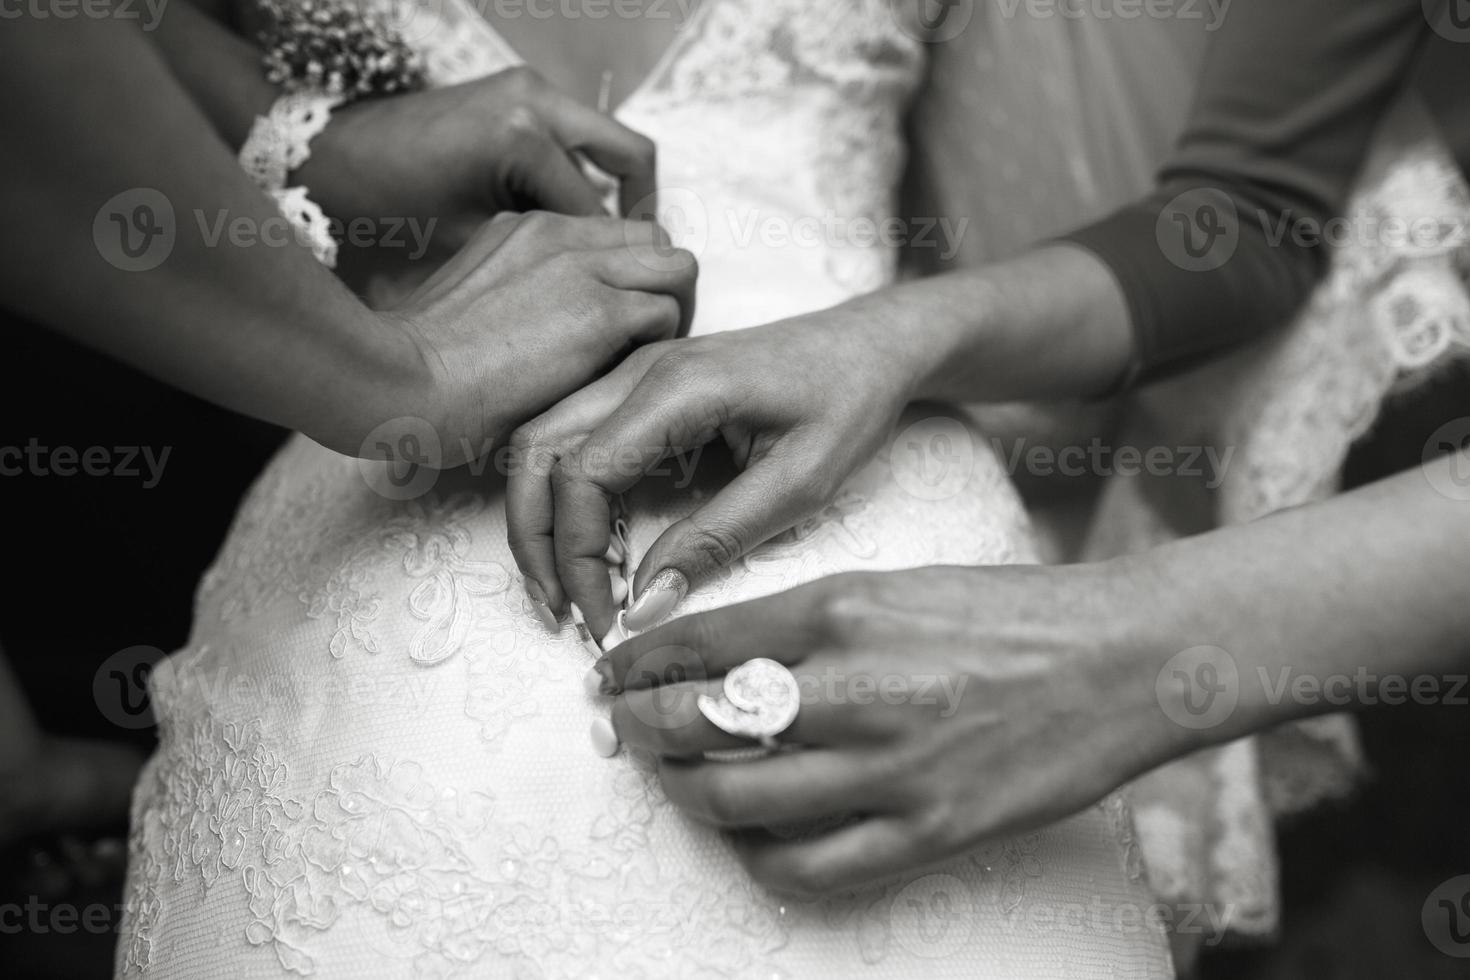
(279, 143)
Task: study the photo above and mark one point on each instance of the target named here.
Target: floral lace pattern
(373, 758)
(280, 142)
(1392, 310)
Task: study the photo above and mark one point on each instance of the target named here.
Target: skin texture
(265, 330)
(1063, 682)
(455, 156)
(802, 404)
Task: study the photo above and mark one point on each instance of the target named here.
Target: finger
(636, 435)
(785, 627)
(581, 533)
(852, 856)
(537, 446)
(773, 493)
(538, 236)
(485, 241)
(632, 319)
(628, 155)
(792, 787)
(535, 236)
(543, 175)
(653, 266)
(666, 720)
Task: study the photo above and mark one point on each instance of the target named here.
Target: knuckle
(678, 362)
(647, 308)
(527, 436)
(935, 829)
(567, 471)
(521, 79)
(843, 606)
(686, 264)
(541, 222)
(718, 545)
(809, 878)
(645, 150)
(722, 803)
(522, 123)
(503, 218)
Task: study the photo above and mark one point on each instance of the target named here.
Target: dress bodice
(779, 128)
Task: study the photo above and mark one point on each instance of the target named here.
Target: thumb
(543, 175)
(773, 494)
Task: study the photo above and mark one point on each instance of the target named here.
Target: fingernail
(610, 686)
(614, 553)
(619, 587)
(584, 634)
(666, 591)
(604, 739)
(599, 681)
(539, 603)
(592, 681)
(618, 633)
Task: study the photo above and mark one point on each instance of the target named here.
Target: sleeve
(1228, 245)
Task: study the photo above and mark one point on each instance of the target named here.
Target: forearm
(1050, 324)
(217, 66)
(261, 329)
(1334, 605)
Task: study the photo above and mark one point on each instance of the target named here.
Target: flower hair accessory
(346, 48)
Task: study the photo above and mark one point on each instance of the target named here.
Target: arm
(447, 159)
(1017, 696)
(262, 328)
(218, 67)
(1290, 96)
(102, 117)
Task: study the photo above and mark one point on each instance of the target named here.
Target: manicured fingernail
(619, 586)
(604, 739)
(618, 633)
(614, 553)
(541, 605)
(666, 591)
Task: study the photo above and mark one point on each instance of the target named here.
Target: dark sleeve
(1289, 96)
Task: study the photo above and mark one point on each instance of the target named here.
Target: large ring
(760, 701)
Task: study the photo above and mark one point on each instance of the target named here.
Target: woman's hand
(801, 404)
(462, 154)
(536, 306)
(940, 707)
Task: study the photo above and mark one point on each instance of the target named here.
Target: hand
(536, 306)
(940, 707)
(801, 404)
(462, 154)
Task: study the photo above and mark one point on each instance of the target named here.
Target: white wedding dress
(374, 760)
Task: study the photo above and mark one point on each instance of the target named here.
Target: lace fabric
(280, 142)
(1393, 310)
(373, 758)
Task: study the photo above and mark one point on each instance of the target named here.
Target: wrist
(1157, 664)
(916, 339)
(375, 373)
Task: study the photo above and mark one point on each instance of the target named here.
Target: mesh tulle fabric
(374, 761)
(1283, 415)
(1035, 125)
